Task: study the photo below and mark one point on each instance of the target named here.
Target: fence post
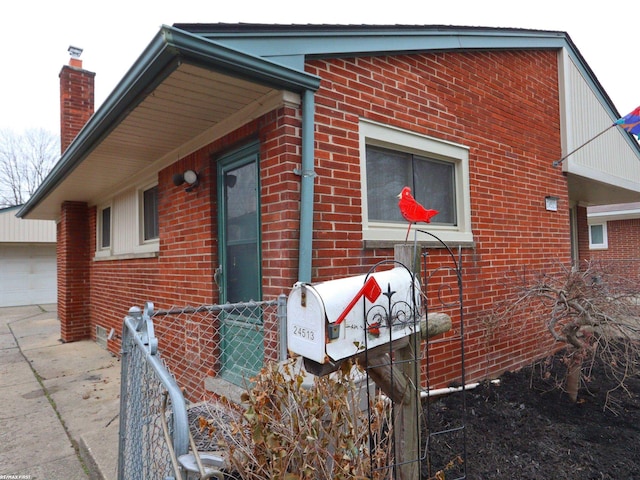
(282, 325)
(407, 415)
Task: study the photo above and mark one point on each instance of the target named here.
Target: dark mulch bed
(524, 428)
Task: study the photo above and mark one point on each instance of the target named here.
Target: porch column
(73, 254)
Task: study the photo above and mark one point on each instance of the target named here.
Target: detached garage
(27, 260)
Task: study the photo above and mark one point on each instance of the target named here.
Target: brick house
(296, 140)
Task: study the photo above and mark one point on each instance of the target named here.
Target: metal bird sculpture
(412, 211)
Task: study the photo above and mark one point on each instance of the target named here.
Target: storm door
(240, 274)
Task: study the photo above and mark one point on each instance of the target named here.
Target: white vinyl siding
(13, 229)
(127, 227)
(607, 159)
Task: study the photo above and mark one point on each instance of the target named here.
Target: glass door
(240, 258)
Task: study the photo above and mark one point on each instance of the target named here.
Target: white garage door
(27, 274)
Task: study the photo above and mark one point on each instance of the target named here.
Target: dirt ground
(524, 428)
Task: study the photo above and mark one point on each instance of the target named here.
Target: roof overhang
(592, 191)
(183, 92)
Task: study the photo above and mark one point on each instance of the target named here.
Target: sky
(113, 35)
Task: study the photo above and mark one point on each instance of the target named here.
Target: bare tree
(25, 160)
(594, 312)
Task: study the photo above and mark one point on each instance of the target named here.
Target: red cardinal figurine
(412, 211)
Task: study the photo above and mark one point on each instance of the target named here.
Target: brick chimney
(76, 98)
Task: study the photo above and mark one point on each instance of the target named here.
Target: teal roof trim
(291, 45)
(323, 41)
(168, 49)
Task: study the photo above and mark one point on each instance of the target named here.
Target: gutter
(307, 180)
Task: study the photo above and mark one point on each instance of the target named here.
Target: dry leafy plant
(293, 429)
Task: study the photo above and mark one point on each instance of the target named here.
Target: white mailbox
(331, 321)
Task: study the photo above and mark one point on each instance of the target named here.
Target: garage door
(27, 274)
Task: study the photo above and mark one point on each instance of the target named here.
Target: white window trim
(373, 133)
(605, 239)
(106, 251)
(144, 246)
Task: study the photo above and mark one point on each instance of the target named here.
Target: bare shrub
(594, 312)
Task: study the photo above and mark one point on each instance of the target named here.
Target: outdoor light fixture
(551, 203)
(189, 177)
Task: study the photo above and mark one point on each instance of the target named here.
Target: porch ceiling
(589, 191)
(183, 92)
(187, 104)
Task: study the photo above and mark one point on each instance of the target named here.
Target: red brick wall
(623, 252)
(182, 272)
(504, 107)
(73, 252)
(583, 234)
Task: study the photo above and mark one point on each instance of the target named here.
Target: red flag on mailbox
(371, 290)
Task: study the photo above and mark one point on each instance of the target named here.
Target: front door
(240, 280)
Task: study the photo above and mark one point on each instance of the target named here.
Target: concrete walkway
(59, 403)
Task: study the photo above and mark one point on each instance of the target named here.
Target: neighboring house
(299, 138)
(27, 260)
(613, 237)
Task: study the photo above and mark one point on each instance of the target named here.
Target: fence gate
(169, 359)
(149, 396)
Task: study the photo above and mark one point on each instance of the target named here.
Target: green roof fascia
(322, 41)
(292, 45)
(168, 49)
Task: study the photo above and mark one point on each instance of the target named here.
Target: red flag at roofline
(630, 123)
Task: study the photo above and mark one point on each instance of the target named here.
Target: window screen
(432, 183)
(105, 228)
(150, 213)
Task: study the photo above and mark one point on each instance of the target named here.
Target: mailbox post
(365, 317)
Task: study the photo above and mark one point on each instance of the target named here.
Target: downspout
(307, 175)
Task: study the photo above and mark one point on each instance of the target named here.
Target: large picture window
(432, 183)
(436, 171)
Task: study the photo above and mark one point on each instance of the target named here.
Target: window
(150, 229)
(104, 229)
(400, 169)
(436, 171)
(598, 236)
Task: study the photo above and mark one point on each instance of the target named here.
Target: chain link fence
(179, 363)
(171, 360)
(203, 345)
(149, 397)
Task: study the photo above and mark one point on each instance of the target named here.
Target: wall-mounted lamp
(189, 177)
(551, 203)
